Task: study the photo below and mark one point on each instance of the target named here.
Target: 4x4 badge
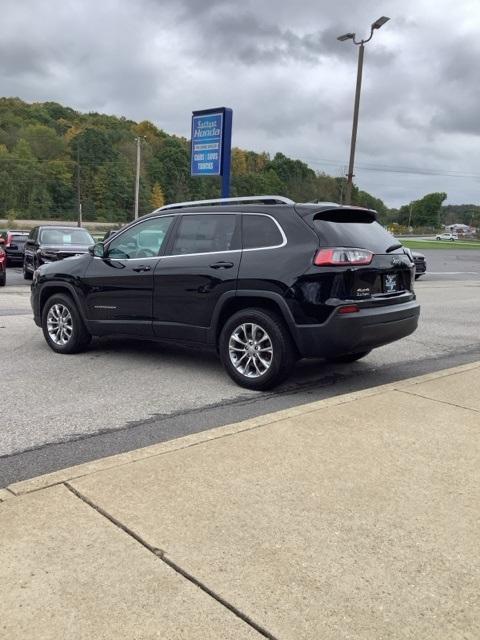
(396, 262)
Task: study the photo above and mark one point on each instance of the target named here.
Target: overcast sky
(278, 64)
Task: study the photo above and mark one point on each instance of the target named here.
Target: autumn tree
(157, 198)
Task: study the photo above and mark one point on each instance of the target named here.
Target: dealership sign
(211, 144)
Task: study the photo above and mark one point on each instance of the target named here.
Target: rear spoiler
(331, 212)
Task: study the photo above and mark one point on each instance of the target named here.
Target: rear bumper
(356, 332)
(14, 256)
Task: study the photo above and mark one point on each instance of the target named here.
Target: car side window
(143, 240)
(206, 233)
(260, 232)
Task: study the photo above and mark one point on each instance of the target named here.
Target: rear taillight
(342, 256)
(349, 308)
(2, 257)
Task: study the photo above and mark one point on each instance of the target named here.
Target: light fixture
(380, 22)
(346, 36)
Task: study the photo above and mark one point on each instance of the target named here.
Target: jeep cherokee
(262, 280)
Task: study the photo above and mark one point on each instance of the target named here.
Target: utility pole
(356, 108)
(409, 216)
(79, 199)
(361, 43)
(137, 177)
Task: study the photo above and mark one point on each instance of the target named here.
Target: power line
(402, 170)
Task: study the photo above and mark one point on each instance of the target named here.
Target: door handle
(222, 265)
(142, 268)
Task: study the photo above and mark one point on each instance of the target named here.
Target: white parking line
(454, 273)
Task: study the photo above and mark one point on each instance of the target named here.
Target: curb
(88, 468)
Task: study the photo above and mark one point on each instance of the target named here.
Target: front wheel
(62, 325)
(256, 349)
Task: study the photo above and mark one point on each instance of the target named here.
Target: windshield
(66, 237)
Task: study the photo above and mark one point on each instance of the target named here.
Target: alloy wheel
(250, 350)
(59, 324)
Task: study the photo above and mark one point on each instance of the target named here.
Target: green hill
(41, 142)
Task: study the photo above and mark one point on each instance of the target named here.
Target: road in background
(123, 394)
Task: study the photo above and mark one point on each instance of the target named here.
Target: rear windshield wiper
(393, 247)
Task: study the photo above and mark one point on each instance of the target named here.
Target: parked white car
(447, 236)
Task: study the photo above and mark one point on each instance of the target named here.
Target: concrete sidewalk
(354, 517)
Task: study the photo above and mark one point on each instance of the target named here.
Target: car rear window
(339, 229)
(206, 233)
(19, 237)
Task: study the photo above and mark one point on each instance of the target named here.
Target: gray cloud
(279, 65)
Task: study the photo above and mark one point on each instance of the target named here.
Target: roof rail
(322, 203)
(240, 200)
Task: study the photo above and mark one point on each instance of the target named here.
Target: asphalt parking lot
(120, 395)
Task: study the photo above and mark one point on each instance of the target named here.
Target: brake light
(349, 308)
(342, 256)
(2, 256)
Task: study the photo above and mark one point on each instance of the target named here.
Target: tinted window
(260, 231)
(143, 240)
(363, 235)
(206, 233)
(66, 236)
(19, 237)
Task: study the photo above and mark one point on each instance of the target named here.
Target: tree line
(52, 155)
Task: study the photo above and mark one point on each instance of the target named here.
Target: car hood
(417, 254)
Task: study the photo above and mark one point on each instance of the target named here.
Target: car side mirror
(97, 250)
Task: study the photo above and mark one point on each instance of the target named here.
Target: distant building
(460, 229)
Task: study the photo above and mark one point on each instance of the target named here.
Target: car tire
(418, 275)
(3, 279)
(259, 339)
(62, 326)
(349, 357)
(26, 274)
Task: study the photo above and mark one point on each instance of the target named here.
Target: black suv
(50, 243)
(262, 280)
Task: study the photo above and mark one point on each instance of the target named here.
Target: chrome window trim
(204, 253)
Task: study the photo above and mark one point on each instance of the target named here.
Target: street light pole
(361, 43)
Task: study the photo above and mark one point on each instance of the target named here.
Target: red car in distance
(3, 265)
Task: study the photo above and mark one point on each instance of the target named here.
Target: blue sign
(207, 135)
(211, 145)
